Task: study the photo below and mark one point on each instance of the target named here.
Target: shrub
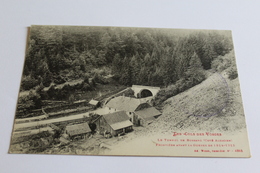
(77, 86)
(129, 93)
(100, 79)
(86, 87)
(47, 79)
(59, 80)
(39, 88)
(29, 102)
(51, 92)
(71, 99)
(104, 71)
(172, 90)
(232, 73)
(28, 82)
(223, 62)
(36, 98)
(86, 78)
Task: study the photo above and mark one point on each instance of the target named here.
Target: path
(107, 99)
(58, 120)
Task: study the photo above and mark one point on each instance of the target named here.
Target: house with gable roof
(138, 110)
(94, 103)
(146, 116)
(78, 130)
(114, 123)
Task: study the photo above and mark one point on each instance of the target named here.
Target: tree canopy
(156, 57)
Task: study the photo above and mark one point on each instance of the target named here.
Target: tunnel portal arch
(145, 93)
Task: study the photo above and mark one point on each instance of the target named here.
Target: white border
(242, 17)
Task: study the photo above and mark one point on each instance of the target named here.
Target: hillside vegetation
(214, 104)
(57, 56)
(144, 56)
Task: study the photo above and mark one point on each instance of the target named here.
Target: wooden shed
(94, 103)
(146, 116)
(114, 123)
(78, 130)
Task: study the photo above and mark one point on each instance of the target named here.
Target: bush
(129, 93)
(78, 86)
(104, 71)
(47, 79)
(86, 87)
(62, 93)
(100, 79)
(59, 80)
(51, 92)
(86, 78)
(232, 73)
(172, 90)
(71, 99)
(223, 62)
(29, 102)
(36, 98)
(28, 82)
(92, 83)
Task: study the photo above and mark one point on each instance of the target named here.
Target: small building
(146, 116)
(80, 103)
(138, 110)
(63, 141)
(78, 130)
(122, 103)
(94, 103)
(114, 123)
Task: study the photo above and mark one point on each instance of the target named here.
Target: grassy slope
(215, 104)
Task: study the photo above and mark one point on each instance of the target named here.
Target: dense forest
(155, 57)
(133, 55)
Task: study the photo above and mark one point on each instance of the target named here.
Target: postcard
(128, 91)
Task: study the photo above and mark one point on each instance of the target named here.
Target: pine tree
(194, 73)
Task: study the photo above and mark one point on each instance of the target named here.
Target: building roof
(80, 101)
(77, 129)
(93, 102)
(118, 120)
(64, 140)
(142, 86)
(121, 125)
(148, 113)
(124, 103)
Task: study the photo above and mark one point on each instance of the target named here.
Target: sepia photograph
(128, 91)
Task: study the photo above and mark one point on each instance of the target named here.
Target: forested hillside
(64, 60)
(155, 57)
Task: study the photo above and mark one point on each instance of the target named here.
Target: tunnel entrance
(145, 93)
(92, 126)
